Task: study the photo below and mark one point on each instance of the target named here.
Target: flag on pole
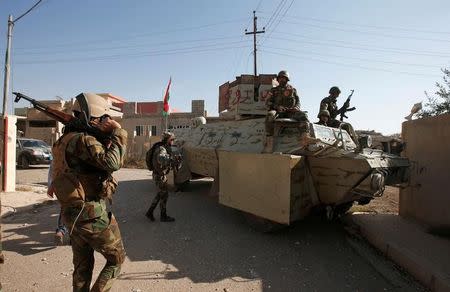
(166, 108)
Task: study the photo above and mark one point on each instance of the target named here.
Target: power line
(321, 20)
(257, 6)
(350, 66)
(96, 41)
(279, 20)
(130, 56)
(275, 12)
(365, 32)
(354, 58)
(371, 49)
(28, 11)
(109, 48)
(238, 60)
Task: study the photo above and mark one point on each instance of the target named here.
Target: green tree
(440, 103)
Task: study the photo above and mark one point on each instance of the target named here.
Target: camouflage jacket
(82, 167)
(283, 96)
(329, 104)
(162, 160)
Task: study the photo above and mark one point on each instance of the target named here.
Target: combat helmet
(92, 104)
(324, 113)
(334, 90)
(283, 73)
(166, 136)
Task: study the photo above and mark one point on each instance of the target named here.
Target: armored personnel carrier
(287, 184)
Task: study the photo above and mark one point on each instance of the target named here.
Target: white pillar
(9, 169)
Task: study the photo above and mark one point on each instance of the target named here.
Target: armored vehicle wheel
(262, 225)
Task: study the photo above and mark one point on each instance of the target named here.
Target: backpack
(149, 155)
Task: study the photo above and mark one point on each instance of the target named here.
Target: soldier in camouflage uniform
(82, 181)
(329, 103)
(282, 102)
(324, 117)
(163, 161)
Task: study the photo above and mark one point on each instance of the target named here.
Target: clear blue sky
(390, 52)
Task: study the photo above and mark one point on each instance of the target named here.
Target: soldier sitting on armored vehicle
(282, 102)
(324, 118)
(329, 104)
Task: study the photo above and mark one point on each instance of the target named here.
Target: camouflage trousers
(163, 195)
(99, 234)
(272, 115)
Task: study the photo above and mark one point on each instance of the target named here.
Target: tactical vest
(72, 188)
(284, 96)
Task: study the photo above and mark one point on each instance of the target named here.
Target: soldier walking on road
(282, 102)
(161, 160)
(82, 182)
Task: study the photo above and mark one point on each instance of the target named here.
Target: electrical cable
(351, 66)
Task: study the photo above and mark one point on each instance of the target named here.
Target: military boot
(166, 218)
(268, 145)
(149, 214)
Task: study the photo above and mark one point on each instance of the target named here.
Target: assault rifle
(80, 124)
(346, 107)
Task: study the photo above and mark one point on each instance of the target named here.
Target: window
(145, 130)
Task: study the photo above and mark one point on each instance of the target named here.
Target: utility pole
(254, 32)
(7, 66)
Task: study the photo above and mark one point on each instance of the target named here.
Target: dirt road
(208, 248)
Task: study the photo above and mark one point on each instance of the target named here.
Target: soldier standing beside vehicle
(82, 182)
(161, 160)
(282, 102)
(329, 103)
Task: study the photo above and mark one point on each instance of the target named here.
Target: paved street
(208, 248)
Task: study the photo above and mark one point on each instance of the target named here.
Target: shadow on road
(32, 234)
(209, 243)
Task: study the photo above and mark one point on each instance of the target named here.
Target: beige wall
(138, 145)
(427, 198)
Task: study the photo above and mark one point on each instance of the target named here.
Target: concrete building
(245, 96)
(144, 123)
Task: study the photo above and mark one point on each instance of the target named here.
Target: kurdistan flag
(166, 108)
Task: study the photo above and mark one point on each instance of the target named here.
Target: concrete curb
(417, 265)
(36, 194)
